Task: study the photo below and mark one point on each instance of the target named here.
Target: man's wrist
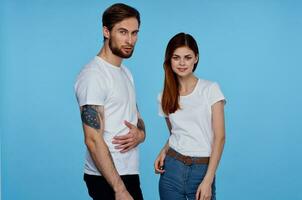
(142, 136)
(120, 187)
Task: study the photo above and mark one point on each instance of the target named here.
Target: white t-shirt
(192, 133)
(101, 83)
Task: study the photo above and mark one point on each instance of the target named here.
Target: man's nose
(129, 39)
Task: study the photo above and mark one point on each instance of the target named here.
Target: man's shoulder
(92, 68)
(93, 65)
(128, 73)
(126, 69)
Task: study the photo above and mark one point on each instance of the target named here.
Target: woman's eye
(175, 58)
(188, 58)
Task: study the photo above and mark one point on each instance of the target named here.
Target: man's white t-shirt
(101, 83)
(192, 132)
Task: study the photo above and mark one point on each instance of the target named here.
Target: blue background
(251, 48)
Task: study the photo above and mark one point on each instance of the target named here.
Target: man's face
(123, 36)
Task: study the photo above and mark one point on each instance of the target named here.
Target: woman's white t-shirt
(192, 132)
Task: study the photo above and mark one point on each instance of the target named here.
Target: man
(111, 122)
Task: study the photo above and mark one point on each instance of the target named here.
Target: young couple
(193, 109)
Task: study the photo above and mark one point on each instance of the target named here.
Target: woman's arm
(218, 140)
(159, 162)
(204, 190)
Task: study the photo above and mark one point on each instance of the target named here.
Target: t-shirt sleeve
(160, 109)
(90, 89)
(215, 94)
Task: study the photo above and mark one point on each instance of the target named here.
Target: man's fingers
(127, 149)
(123, 139)
(124, 145)
(128, 124)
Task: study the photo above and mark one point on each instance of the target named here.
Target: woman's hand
(159, 162)
(204, 191)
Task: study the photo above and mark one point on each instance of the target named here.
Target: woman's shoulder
(207, 86)
(204, 84)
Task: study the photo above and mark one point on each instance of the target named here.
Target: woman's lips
(182, 69)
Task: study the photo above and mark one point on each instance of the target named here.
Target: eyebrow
(184, 56)
(124, 29)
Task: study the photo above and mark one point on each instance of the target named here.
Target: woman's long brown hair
(170, 97)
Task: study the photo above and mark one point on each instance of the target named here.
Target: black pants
(99, 189)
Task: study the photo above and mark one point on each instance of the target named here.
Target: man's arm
(93, 124)
(141, 125)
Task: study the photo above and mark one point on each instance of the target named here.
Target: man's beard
(118, 52)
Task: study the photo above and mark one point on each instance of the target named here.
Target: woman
(194, 113)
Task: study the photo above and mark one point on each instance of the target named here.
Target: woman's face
(183, 60)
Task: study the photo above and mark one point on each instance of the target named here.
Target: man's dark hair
(117, 13)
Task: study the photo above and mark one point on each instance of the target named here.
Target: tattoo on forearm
(141, 125)
(90, 116)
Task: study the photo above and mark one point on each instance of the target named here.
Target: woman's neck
(187, 84)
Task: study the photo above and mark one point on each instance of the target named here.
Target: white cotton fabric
(101, 83)
(192, 133)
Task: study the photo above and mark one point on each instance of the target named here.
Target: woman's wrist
(208, 179)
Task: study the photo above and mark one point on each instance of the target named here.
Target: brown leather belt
(187, 160)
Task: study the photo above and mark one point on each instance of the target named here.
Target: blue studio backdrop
(251, 48)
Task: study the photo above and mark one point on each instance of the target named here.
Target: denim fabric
(180, 181)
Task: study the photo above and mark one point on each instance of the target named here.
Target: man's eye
(123, 32)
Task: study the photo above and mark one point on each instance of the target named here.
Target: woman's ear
(197, 57)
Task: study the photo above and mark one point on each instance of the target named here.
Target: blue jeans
(180, 181)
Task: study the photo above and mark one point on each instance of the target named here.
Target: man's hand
(123, 195)
(130, 140)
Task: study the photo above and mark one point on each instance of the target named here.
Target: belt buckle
(188, 160)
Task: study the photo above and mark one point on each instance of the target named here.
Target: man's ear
(106, 32)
